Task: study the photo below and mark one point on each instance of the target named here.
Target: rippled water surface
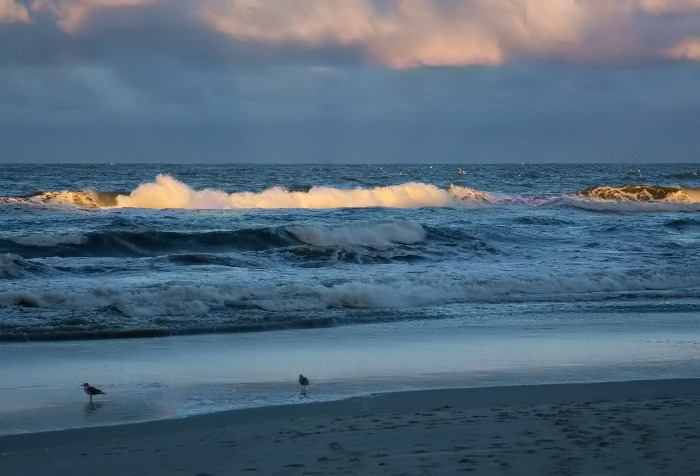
(149, 250)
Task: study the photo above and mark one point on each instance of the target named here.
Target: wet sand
(640, 427)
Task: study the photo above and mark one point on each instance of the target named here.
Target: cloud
(408, 33)
(667, 7)
(72, 14)
(11, 11)
(306, 21)
(391, 33)
(688, 50)
(414, 33)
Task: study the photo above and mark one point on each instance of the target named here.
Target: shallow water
(172, 377)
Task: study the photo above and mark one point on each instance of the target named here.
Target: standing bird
(90, 390)
(303, 381)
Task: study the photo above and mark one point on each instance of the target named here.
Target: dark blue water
(107, 251)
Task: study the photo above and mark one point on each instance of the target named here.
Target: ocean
(195, 288)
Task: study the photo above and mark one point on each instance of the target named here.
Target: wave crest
(168, 192)
(469, 194)
(78, 198)
(642, 193)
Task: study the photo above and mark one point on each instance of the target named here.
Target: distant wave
(168, 192)
(644, 198)
(78, 198)
(642, 193)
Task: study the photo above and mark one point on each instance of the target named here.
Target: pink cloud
(410, 32)
(11, 11)
(689, 50)
(413, 33)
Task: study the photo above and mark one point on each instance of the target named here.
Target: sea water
(193, 288)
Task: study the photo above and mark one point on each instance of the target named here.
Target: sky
(350, 81)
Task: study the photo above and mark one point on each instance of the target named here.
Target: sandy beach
(638, 427)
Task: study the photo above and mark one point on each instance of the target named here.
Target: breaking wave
(77, 198)
(642, 193)
(206, 307)
(643, 198)
(168, 192)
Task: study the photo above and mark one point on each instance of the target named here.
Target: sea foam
(386, 292)
(168, 192)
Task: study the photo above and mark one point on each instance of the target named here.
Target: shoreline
(152, 379)
(610, 427)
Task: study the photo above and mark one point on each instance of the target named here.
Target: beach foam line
(614, 428)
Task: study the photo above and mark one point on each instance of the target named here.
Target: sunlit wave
(168, 192)
(78, 198)
(643, 193)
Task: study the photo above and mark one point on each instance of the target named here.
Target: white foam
(383, 291)
(168, 192)
(378, 235)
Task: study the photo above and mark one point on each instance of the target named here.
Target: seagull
(90, 390)
(303, 381)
